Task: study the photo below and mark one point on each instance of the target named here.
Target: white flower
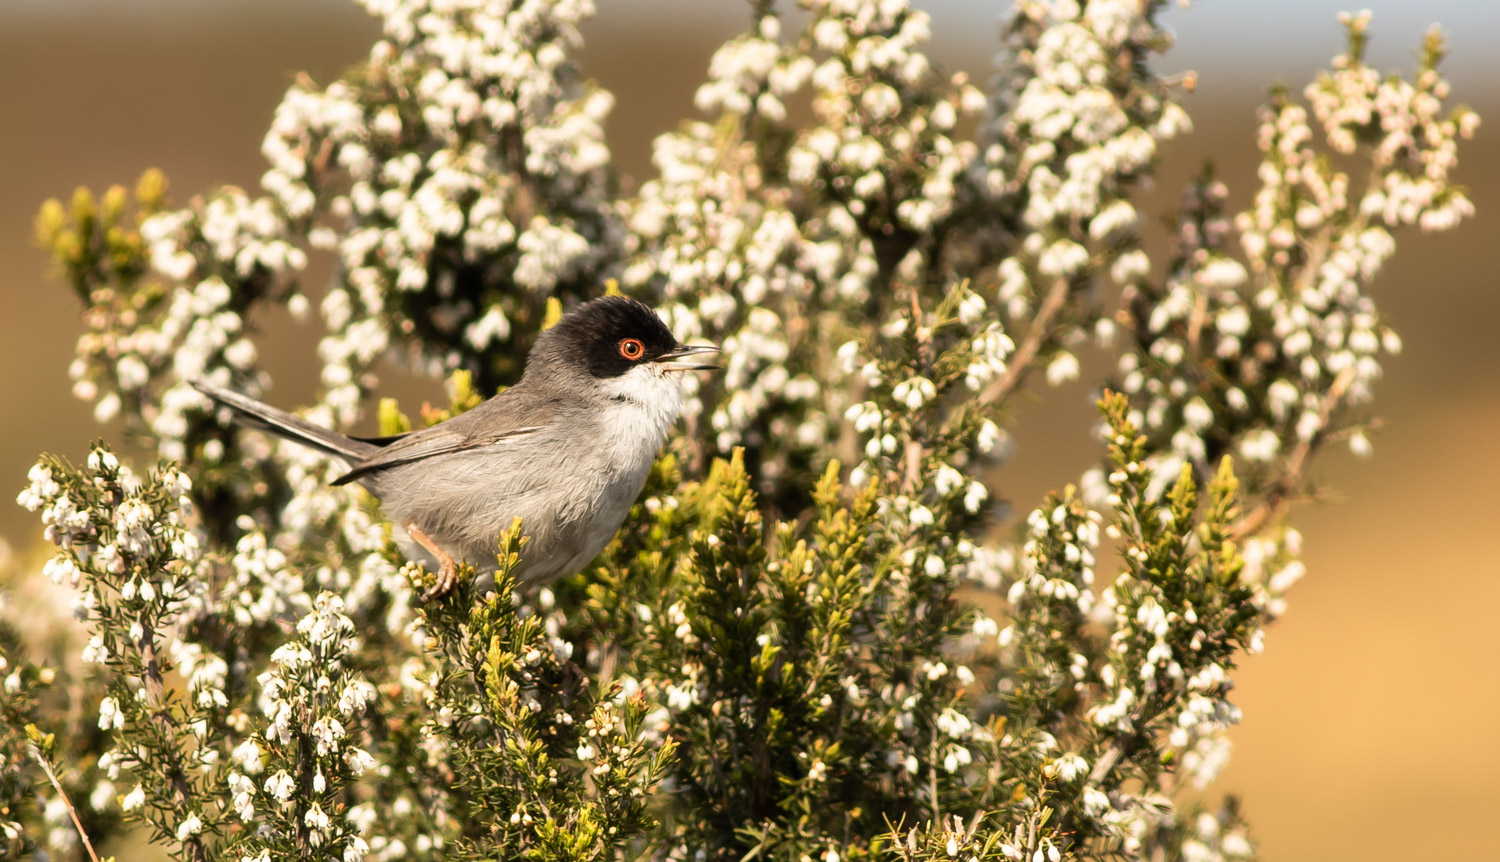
(914, 392)
(354, 697)
(1070, 766)
(1260, 445)
(134, 799)
(971, 308)
(110, 717)
(190, 826)
(946, 480)
(358, 760)
(1222, 273)
(1095, 802)
(1062, 258)
(1308, 425)
(1359, 444)
(1062, 368)
(280, 786)
(975, 496)
(989, 435)
(317, 818)
(95, 652)
(1197, 415)
(955, 724)
(984, 627)
(1130, 267)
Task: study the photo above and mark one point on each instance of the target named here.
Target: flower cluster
(805, 692)
(1052, 590)
(742, 231)
(723, 251)
(1181, 611)
(288, 779)
(124, 543)
(1077, 118)
(466, 171)
(22, 685)
(144, 341)
(922, 363)
(1259, 361)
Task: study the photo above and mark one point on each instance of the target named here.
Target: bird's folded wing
(427, 444)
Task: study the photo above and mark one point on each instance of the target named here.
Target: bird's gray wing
(516, 412)
(428, 443)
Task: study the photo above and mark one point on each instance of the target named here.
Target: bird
(567, 449)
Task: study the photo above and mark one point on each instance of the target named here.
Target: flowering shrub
(780, 656)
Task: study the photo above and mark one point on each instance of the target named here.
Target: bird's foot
(447, 575)
(447, 578)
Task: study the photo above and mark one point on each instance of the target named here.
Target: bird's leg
(447, 574)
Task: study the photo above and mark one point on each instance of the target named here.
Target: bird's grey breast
(571, 481)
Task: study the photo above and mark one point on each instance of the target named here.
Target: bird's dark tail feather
(263, 417)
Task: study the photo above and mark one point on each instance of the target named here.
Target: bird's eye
(632, 349)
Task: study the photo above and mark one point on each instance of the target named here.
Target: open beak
(685, 351)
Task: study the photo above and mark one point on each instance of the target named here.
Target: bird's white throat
(642, 404)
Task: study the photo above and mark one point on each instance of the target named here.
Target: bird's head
(617, 344)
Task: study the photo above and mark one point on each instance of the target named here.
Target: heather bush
(812, 639)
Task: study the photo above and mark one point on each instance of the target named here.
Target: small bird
(567, 449)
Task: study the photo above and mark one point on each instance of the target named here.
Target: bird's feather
(264, 417)
(429, 443)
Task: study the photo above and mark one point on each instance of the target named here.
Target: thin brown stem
(1106, 762)
(932, 786)
(151, 677)
(1195, 324)
(63, 794)
(303, 838)
(1019, 363)
(1282, 494)
(914, 450)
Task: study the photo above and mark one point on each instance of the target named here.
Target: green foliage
(97, 243)
(547, 768)
(19, 710)
(125, 542)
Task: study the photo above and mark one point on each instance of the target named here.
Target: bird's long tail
(263, 417)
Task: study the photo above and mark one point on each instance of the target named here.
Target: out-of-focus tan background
(1372, 722)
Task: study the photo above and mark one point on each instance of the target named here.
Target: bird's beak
(684, 351)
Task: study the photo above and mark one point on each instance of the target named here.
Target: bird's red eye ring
(632, 349)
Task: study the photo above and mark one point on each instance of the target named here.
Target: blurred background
(1370, 725)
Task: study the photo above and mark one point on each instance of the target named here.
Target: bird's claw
(447, 578)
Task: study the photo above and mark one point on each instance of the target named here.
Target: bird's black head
(608, 337)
